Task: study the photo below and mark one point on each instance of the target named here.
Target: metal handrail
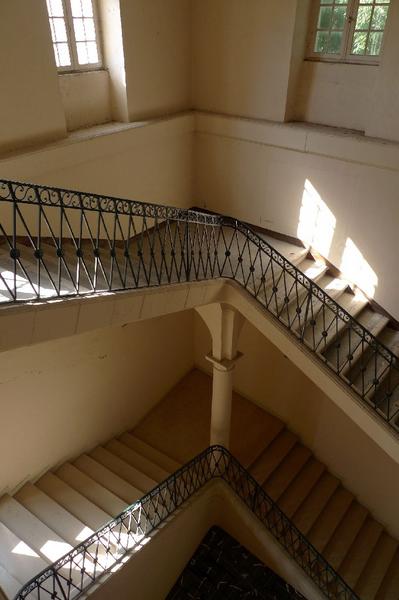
(100, 243)
(79, 569)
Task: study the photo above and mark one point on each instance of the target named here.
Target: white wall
(265, 376)
(66, 396)
(30, 101)
(241, 56)
(86, 98)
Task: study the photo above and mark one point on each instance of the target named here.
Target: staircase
(46, 518)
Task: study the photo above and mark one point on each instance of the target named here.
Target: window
(74, 32)
(348, 30)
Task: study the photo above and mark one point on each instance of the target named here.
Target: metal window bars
(61, 243)
(104, 551)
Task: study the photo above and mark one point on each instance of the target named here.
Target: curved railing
(102, 552)
(59, 243)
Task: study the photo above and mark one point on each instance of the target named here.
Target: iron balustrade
(104, 551)
(61, 243)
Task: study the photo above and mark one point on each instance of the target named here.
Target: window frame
(345, 56)
(75, 67)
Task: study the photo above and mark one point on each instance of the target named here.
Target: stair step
(8, 584)
(345, 534)
(53, 514)
(330, 518)
(74, 502)
(248, 451)
(136, 460)
(315, 502)
(273, 456)
(31, 530)
(107, 478)
(287, 470)
(159, 458)
(92, 490)
(389, 589)
(301, 487)
(139, 480)
(360, 551)
(17, 558)
(376, 568)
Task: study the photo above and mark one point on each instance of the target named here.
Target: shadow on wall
(316, 229)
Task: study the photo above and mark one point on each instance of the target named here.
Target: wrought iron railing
(104, 551)
(56, 242)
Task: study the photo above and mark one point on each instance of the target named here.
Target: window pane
(325, 17)
(82, 53)
(84, 30)
(58, 30)
(364, 17)
(359, 43)
(89, 29)
(321, 43)
(76, 8)
(92, 52)
(334, 46)
(79, 30)
(379, 17)
(87, 8)
(339, 17)
(374, 43)
(63, 55)
(55, 8)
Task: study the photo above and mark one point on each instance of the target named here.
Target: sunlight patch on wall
(356, 268)
(316, 221)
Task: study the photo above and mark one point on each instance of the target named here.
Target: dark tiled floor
(223, 569)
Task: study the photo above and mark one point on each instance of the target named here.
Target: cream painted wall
(257, 172)
(86, 98)
(241, 56)
(30, 101)
(266, 377)
(156, 41)
(71, 394)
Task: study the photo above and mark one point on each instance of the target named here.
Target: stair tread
(345, 534)
(332, 514)
(53, 514)
(389, 589)
(265, 464)
(287, 470)
(93, 491)
(376, 567)
(73, 501)
(138, 461)
(159, 458)
(17, 558)
(8, 584)
(360, 551)
(107, 478)
(301, 487)
(141, 482)
(315, 502)
(36, 534)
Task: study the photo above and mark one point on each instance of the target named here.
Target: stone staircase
(48, 517)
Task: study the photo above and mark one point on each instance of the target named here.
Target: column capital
(225, 364)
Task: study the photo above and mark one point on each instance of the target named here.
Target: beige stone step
(314, 503)
(389, 589)
(107, 478)
(345, 534)
(360, 552)
(287, 470)
(74, 502)
(8, 584)
(141, 482)
(32, 530)
(274, 454)
(17, 558)
(53, 514)
(136, 460)
(329, 519)
(149, 452)
(92, 490)
(300, 488)
(376, 568)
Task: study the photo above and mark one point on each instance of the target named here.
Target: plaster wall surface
(86, 98)
(265, 376)
(281, 176)
(69, 395)
(30, 101)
